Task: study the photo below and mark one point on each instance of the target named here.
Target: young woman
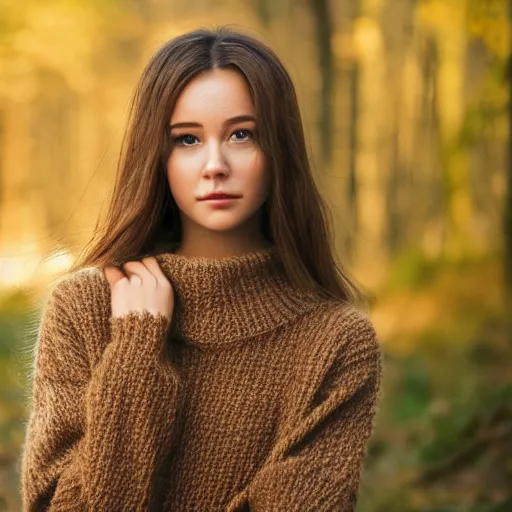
(206, 352)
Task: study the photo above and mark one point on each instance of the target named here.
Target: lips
(218, 195)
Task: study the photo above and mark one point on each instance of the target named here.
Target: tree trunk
(322, 18)
(508, 197)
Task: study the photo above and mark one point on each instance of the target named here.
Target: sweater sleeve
(316, 464)
(96, 438)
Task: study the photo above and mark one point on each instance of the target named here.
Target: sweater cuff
(143, 332)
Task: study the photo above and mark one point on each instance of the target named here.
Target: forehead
(219, 92)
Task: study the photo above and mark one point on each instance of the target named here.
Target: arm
(95, 440)
(316, 466)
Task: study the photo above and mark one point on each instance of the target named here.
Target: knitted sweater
(257, 397)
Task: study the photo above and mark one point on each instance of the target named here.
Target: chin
(221, 221)
(221, 226)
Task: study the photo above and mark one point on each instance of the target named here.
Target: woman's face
(215, 148)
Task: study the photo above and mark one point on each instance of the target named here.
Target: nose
(216, 162)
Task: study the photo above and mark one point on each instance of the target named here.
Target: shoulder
(336, 331)
(81, 297)
(81, 287)
(71, 314)
(354, 323)
(358, 354)
(344, 319)
(349, 328)
(355, 355)
(340, 353)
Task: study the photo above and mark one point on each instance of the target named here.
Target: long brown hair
(143, 217)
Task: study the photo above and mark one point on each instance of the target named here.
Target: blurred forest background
(406, 105)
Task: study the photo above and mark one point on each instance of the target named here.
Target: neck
(218, 251)
(223, 300)
(197, 241)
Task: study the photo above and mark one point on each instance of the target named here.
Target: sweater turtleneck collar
(228, 299)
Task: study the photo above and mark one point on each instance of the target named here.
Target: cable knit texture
(258, 396)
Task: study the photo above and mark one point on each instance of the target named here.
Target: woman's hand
(142, 286)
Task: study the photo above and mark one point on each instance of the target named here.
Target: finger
(138, 269)
(113, 274)
(152, 265)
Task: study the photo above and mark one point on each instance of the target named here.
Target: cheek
(259, 176)
(179, 179)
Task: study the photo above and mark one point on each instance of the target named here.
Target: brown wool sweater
(258, 397)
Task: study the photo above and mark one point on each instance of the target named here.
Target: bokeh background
(406, 106)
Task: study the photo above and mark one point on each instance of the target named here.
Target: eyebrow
(229, 122)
